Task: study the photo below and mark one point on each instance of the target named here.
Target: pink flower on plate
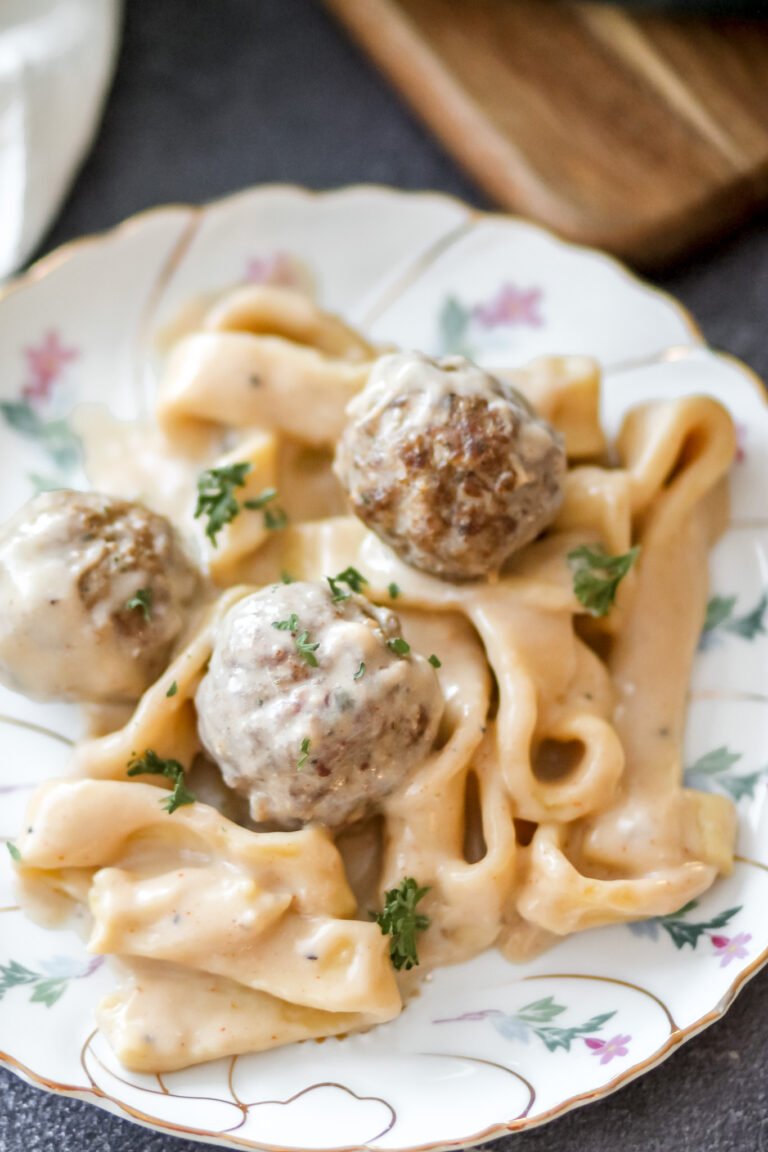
(731, 947)
(279, 269)
(45, 363)
(510, 306)
(607, 1049)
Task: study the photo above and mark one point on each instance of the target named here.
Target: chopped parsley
(360, 672)
(400, 921)
(153, 765)
(15, 854)
(433, 660)
(173, 689)
(274, 518)
(285, 577)
(289, 625)
(352, 578)
(259, 501)
(597, 575)
(394, 590)
(306, 647)
(399, 646)
(304, 754)
(143, 601)
(215, 496)
(216, 499)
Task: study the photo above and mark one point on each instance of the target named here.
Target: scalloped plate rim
(49, 263)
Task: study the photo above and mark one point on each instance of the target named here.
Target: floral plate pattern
(487, 1047)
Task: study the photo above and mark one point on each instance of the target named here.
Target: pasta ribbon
(212, 1017)
(267, 358)
(552, 800)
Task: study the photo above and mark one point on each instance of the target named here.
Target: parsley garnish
(352, 578)
(173, 689)
(306, 647)
(286, 577)
(215, 496)
(142, 600)
(433, 660)
(400, 921)
(274, 518)
(289, 625)
(394, 590)
(304, 754)
(360, 672)
(259, 501)
(399, 646)
(15, 854)
(597, 575)
(153, 765)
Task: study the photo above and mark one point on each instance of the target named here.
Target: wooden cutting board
(643, 134)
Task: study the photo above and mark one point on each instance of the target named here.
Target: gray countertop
(215, 95)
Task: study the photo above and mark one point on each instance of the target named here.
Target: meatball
(448, 465)
(313, 706)
(93, 593)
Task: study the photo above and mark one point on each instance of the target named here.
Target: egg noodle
(552, 800)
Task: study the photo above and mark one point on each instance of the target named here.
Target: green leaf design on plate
(45, 989)
(540, 1012)
(718, 760)
(682, 932)
(712, 769)
(48, 992)
(720, 615)
(55, 437)
(534, 1019)
(553, 1037)
(719, 608)
(751, 624)
(453, 323)
(739, 787)
(13, 974)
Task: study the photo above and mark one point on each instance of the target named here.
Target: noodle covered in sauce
(508, 743)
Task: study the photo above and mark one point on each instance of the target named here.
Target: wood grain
(642, 134)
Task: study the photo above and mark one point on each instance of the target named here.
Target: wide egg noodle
(233, 940)
(296, 377)
(270, 912)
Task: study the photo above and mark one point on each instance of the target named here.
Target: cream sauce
(428, 384)
(233, 940)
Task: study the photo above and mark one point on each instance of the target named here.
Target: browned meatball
(93, 593)
(312, 707)
(448, 465)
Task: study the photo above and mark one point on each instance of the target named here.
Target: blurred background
(634, 128)
(642, 128)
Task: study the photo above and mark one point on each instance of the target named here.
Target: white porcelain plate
(488, 1047)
